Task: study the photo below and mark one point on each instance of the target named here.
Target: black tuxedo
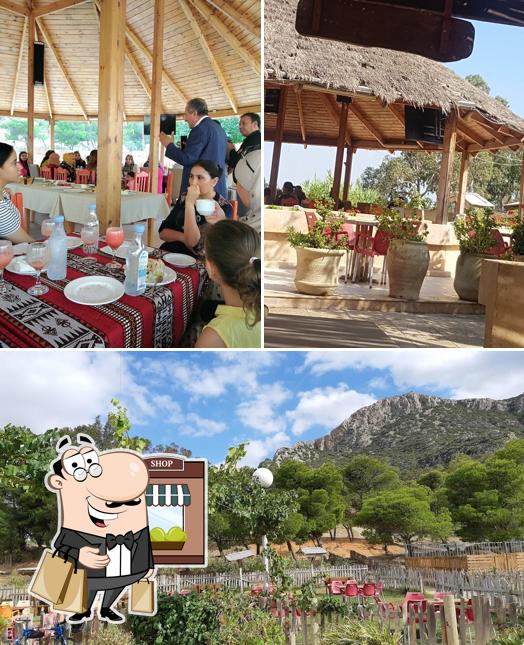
(69, 542)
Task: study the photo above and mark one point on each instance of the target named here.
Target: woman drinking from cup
(182, 231)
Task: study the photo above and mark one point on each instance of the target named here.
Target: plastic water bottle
(136, 264)
(90, 231)
(57, 267)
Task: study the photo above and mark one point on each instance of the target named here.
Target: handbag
(51, 577)
(143, 598)
(74, 596)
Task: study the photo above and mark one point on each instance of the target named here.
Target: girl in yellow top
(232, 249)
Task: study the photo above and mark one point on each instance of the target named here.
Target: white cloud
(259, 412)
(260, 449)
(378, 383)
(166, 404)
(465, 373)
(196, 426)
(326, 407)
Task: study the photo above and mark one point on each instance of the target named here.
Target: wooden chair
(61, 174)
(46, 173)
(143, 182)
(82, 176)
(18, 200)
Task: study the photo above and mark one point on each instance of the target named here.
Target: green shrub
(517, 240)
(111, 635)
(334, 605)
(366, 632)
(401, 227)
(474, 231)
(511, 636)
(324, 233)
(248, 626)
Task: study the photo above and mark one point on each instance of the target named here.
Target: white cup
(205, 207)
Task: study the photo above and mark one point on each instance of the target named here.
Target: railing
(458, 549)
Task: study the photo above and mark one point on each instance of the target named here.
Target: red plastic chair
(169, 192)
(289, 201)
(61, 174)
(347, 230)
(368, 590)
(418, 601)
(335, 587)
(351, 590)
(46, 173)
(142, 182)
(18, 200)
(82, 176)
(371, 247)
(234, 203)
(92, 176)
(311, 219)
(500, 246)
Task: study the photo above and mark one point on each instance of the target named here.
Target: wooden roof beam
(60, 5)
(12, 7)
(60, 63)
(237, 17)
(495, 146)
(365, 122)
(335, 113)
(225, 32)
(191, 18)
(18, 66)
(298, 94)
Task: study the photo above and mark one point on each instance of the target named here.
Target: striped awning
(168, 495)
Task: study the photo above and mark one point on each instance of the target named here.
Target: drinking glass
(114, 239)
(38, 258)
(47, 227)
(89, 236)
(6, 255)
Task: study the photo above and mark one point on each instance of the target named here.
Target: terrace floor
(361, 317)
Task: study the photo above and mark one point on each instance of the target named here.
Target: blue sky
(496, 56)
(209, 401)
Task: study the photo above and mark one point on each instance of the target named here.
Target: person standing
(207, 140)
(249, 127)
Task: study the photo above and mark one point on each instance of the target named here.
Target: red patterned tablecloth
(157, 318)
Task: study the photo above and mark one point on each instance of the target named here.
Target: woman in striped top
(10, 224)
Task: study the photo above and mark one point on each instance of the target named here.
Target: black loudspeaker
(343, 99)
(38, 67)
(272, 99)
(424, 125)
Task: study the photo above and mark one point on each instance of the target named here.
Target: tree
(479, 82)
(363, 476)
(403, 514)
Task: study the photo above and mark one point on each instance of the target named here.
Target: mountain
(416, 431)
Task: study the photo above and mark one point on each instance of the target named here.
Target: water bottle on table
(136, 264)
(89, 234)
(57, 243)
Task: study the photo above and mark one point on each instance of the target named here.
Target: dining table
(156, 318)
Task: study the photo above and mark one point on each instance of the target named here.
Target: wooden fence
(485, 562)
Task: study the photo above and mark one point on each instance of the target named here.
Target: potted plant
(319, 252)
(517, 241)
(408, 254)
(473, 232)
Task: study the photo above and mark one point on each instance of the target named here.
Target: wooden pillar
(337, 174)
(277, 145)
(110, 111)
(462, 182)
(446, 167)
(52, 134)
(347, 175)
(521, 200)
(31, 87)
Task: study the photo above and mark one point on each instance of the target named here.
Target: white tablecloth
(74, 205)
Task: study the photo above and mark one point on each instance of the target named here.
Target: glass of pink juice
(38, 258)
(6, 255)
(114, 239)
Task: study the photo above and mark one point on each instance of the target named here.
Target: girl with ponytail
(232, 251)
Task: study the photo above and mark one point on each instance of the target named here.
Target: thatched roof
(229, 28)
(389, 76)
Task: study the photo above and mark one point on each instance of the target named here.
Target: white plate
(73, 242)
(179, 259)
(169, 276)
(121, 251)
(19, 266)
(94, 290)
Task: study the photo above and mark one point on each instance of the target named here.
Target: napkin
(20, 265)
(20, 249)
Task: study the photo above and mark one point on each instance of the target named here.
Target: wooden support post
(451, 620)
(337, 175)
(110, 111)
(446, 167)
(52, 134)
(347, 175)
(31, 87)
(521, 201)
(277, 145)
(462, 182)
(156, 99)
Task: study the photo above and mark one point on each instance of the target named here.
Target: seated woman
(183, 229)
(23, 166)
(129, 166)
(45, 160)
(10, 221)
(232, 262)
(53, 163)
(68, 163)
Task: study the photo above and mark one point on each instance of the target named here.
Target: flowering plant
(408, 228)
(473, 231)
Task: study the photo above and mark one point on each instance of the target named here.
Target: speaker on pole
(38, 69)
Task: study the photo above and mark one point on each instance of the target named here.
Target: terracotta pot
(317, 270)
(467, 276)
(407, 264)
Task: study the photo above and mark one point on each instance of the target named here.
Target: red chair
(368, 590)
(500, 246)
(418, 601)
(379, 588)
(371, 247)
(142, 182)
(234, 203)
(46, 173)
(347, 231)
(82, 176)
(351, 590)
(311, 218)
(335, 588)
(61, 174)
(92, 176)
(18, 200)
(169, 192)
(289, 201)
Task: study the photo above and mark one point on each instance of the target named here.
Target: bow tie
(113, 540)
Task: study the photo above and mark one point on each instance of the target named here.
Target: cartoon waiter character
(102, 519)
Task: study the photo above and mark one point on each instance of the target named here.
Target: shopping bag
(74, 596)
(51, 577)
(143, 597)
